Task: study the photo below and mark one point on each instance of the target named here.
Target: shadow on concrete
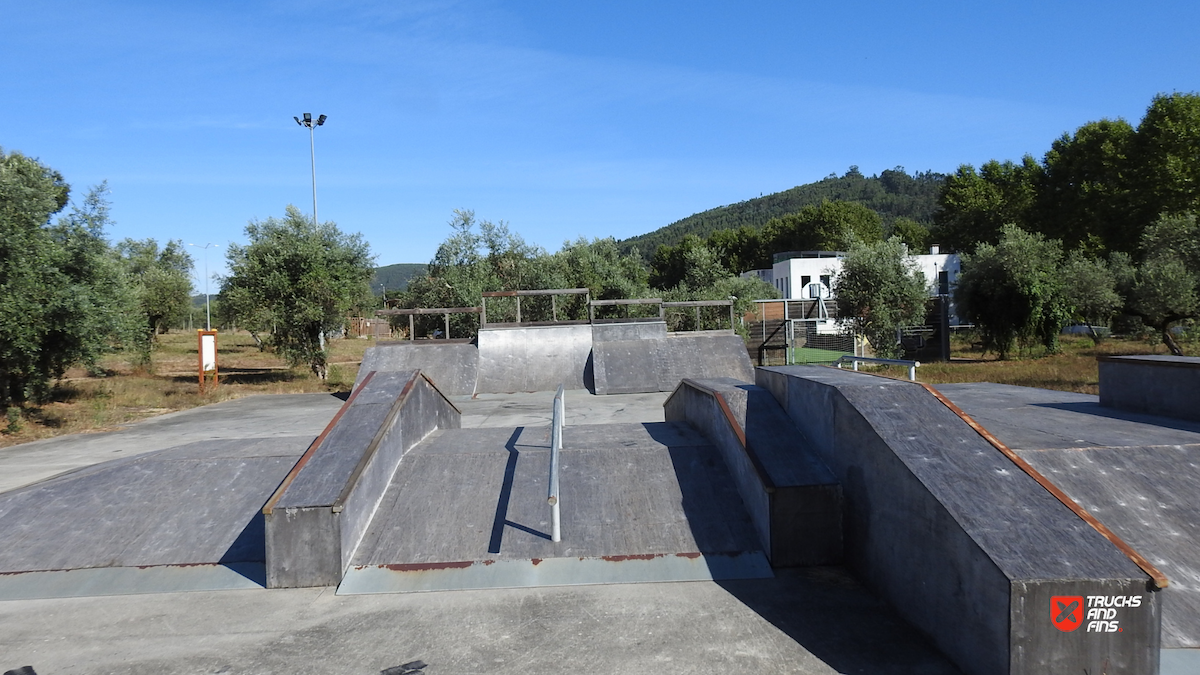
(245, 376)
(1092, 408)
(826, 611)
(501, 518)
(250, 544)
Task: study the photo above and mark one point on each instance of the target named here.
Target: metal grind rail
(556, 431)
(911, 365)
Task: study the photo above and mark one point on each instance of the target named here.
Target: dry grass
(1074, 369)
(89, 404)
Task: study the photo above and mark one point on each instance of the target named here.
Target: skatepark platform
(1138, 474)
(451, 495)
(968, 546)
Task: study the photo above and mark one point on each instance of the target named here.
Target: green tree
(879, 290)
(63, 300)
(160, 279)
(299, 277)
(913, 234)
(974, 206)
(1013, 291)
(1089, 286)
(1084, 197)
(1165, 288)
(828, 226)
(1167, 156)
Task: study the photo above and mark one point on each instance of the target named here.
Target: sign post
(208, 358)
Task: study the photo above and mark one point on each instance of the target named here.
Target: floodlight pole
(207, 306)
(312, 124)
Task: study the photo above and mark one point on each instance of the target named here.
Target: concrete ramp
(644, 365)
(534, 358)
(640, 502)
(181, 519)
(452, 366)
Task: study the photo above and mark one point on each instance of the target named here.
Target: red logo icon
(1066, 612)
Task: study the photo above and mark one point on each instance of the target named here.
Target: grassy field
(128, 393)
(1074, 369)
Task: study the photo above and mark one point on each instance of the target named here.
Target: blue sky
(612, 119)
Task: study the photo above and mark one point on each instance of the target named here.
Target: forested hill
(396, 277)
(893, 193)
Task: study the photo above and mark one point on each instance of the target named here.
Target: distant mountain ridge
(396, 277)
(893, 194)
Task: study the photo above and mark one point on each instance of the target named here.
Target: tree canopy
(296, 281)
(63, 299)
(879, 290)
(1013, 291)
(1097, 189)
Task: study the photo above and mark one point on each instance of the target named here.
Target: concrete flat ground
(1138, 474)
(817, 621)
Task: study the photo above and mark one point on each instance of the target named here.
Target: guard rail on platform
(556, 430)
(911, 365)
(421, 311)
(552, 292)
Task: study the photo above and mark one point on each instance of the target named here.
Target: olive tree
(879, 290)
(299, 278)
(1013, 291)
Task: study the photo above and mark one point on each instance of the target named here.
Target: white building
(804, 275)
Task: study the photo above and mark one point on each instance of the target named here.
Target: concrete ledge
(317, 517)
(793, 500)
(1155, 385)
(962, 542)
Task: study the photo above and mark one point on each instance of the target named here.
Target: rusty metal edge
(384, 428)
(763, 477)
(269, 507)
(1157, 577)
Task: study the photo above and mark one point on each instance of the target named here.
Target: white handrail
(556, 430)
(912, 365)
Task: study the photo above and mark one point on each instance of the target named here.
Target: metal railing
(552, 292)
(422, 311)
(556, 431)
(911, 365)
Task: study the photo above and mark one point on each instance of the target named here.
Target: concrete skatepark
(791, 519)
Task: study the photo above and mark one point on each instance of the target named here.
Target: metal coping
(269, 507)
(759, 469)
(1157, 577)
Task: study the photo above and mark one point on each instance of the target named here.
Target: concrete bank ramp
(613, 358)
(640, 502)
(963, 542)
(181, 519)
